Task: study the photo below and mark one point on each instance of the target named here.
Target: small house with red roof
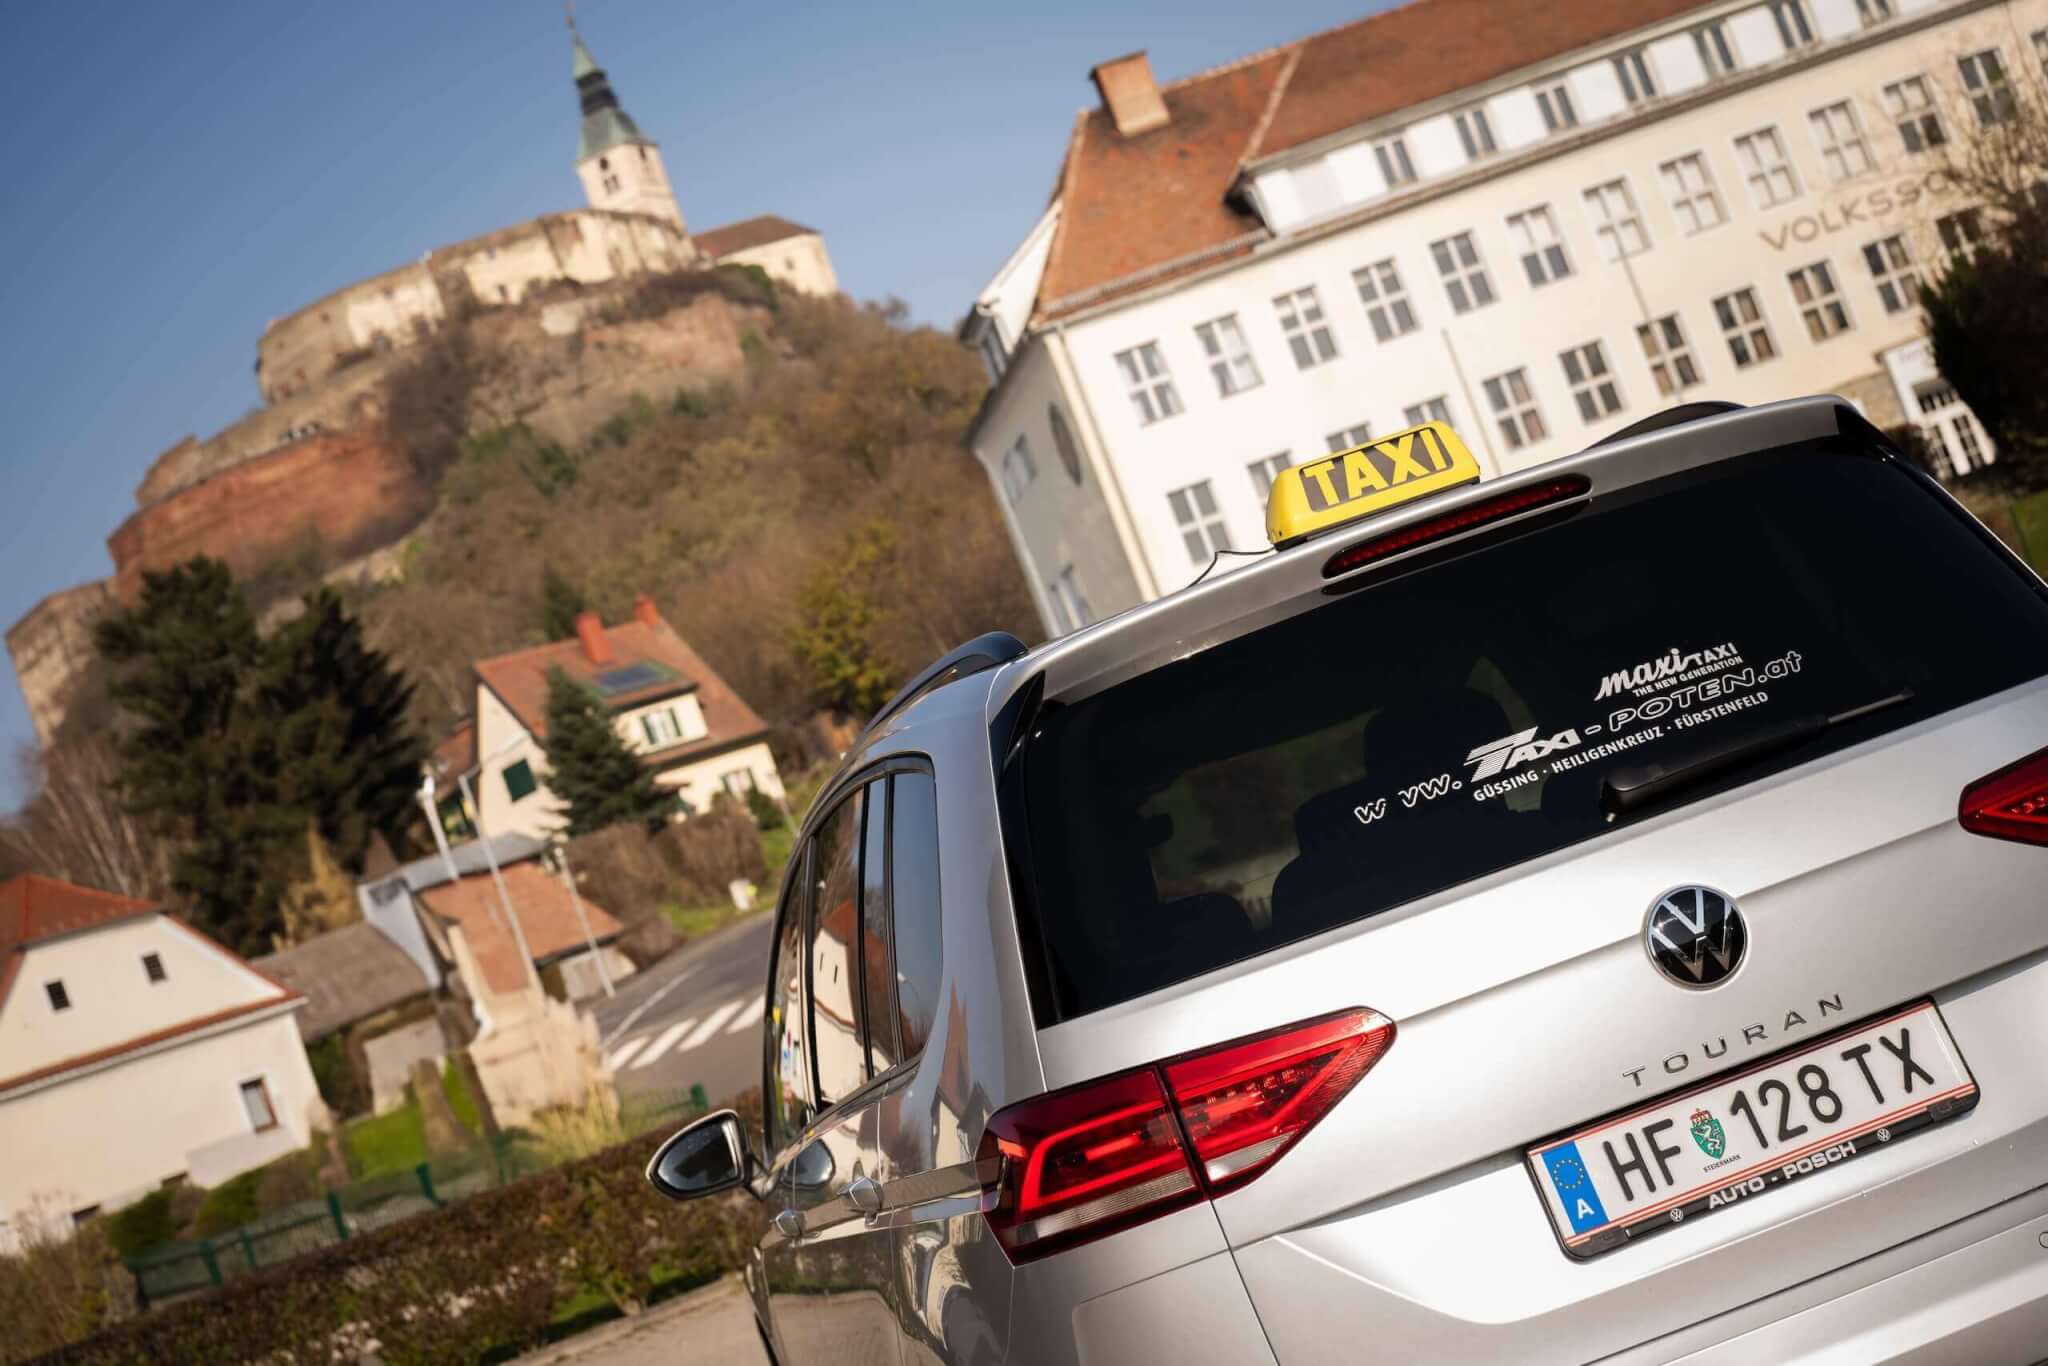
(669, 706)
(134, 1052)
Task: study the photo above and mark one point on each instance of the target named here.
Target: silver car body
(1404, 1226)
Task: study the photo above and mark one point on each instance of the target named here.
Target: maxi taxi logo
(1512, 751)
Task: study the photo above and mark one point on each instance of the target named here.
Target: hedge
(473, 1280)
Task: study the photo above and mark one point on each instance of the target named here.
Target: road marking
(633, 1016)
(666, 1041)
(618, 1059)
(710, 1025)
(756, 1008)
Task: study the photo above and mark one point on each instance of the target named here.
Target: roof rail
(982, 652)
(1670, 417)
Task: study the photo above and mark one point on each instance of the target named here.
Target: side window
(836, 1047)
(788, 1062)
(878, 1009)
(914, 882)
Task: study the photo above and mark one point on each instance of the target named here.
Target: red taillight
(1087, 1161)
(1463, 519)
(2011, 804)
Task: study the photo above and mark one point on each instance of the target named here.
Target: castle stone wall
(52, 646)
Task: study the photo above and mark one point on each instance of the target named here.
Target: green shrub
(336, 1076)
(232, 1202)
(455, 1085)
(381, 1144)
(767, 815)
(144, 1224)
(55, 1288)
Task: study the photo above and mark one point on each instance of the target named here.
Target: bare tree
(76, 828)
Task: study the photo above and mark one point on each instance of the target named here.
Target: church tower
(620, 166)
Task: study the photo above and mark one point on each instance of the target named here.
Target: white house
(134, 1052)
(1538, 222)
(698, 736)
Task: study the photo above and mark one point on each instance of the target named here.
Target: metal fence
(363, 1206)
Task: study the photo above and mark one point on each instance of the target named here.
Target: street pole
(483, 837)
(569, 876)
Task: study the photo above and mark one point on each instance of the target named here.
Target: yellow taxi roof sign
(1366, 480)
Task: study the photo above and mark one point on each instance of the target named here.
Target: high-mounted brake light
(2011, 804)
(1090, 1160)
(1486, 510)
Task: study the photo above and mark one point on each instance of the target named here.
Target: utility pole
(596, 955)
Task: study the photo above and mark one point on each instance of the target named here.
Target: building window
(611, 184)
(1150, 386)
(1265, 472)
(1385, 299)
(1669, 354)
(256, 1102)
(1069, 609)
(60, 999)
(1742, 323)
(1936, 395)
(660, 727)
(1820, 303)
(1762, 157)
(1911, 106)
(1695, 203)
(1019, 469)
(1436, 409)
(1961, 232)
(1985, 82)
(1554, 103)
(153, 967)
(1842, 147)
(1063, 442)
(1615, 220)
(1968, 452)
(1200, 522)
(1792, 26)
(519, 783)
(738, 783)
(1893, 272)
(1592, 383)
(1475, 133)
(1873, 11)
(1634, 71)
(1711, 42)
(1457, 260)
(1230, 357)
(1348, 438)
(1514, 408)
(1534, 233)
(1306, 329)
(1395, 167)
(992, 353)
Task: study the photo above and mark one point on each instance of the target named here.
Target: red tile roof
(546, 916)
(457, 753)
(748, 232)
(1140, 209)
(520, 681)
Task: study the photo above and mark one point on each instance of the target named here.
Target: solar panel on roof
(631, 677)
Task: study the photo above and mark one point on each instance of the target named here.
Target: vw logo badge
(1695, 936)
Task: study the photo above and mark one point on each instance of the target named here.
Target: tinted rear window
(1446, 722)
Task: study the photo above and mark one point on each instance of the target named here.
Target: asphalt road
(694, 1018)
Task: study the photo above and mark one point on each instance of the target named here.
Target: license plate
(1746, 1135)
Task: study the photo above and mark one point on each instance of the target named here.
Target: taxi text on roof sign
(1358, 483)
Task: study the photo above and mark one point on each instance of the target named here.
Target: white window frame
(1915, 114)
(661, 727)
(1694, 197)
(1200, 520)
(1717, 56)
(1838, 134)
(1069, 606)
(1894, 272)
(1475, 133)
(262, 1090)
(1554, 103)
(1516, 413)
(1987, 84)
(1020, 469)
(1463, 271)
(1437, 409)
(1306, 327)
(1668, 352)
(1229, 355)
(1793, 29)
(1595, 391)
(1744, 327)
(1347, 438)
(1397, 168)
(1387, 306)
(1771, 183)
(1967, 234)
(1871, 13)
(1149, 383)
(1534, 234)
(1620, 235)
(1638, 81)
(1264, 471)
(1817, 293)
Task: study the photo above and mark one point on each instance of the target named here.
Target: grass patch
(455, 1085)
(382, 1144)
(694, 922)
(2030, 515)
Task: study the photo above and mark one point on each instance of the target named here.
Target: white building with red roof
(668, 705)
(134, 1051)
(1537, 222)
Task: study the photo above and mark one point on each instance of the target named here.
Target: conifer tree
(589, 766)
(561, 602)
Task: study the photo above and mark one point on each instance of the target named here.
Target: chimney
(643, 611)
(597, 648)
(1130, 94)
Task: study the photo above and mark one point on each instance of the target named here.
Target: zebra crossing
(687, 1035)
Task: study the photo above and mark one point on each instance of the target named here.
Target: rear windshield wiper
(1628, 790)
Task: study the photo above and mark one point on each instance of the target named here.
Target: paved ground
(694, 1018)
(711, 1325)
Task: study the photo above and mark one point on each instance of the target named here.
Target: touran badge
(1695, 936)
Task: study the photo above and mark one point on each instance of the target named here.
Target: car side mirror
(706, 1157)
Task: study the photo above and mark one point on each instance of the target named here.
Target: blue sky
(178, 174)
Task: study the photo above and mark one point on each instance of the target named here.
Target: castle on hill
(313, 461)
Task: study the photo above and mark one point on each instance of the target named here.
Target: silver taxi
(1593, 914)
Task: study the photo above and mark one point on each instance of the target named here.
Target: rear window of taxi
(1445, 722)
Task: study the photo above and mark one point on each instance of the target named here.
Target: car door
(785, 1104)
(844, 1310)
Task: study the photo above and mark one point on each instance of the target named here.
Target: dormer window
(153, 967)
(60, 999)
(1633, 70)
(1395, 167)
(1711, 42)
(660, 727)
(1475, 133)
(1555, 104)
